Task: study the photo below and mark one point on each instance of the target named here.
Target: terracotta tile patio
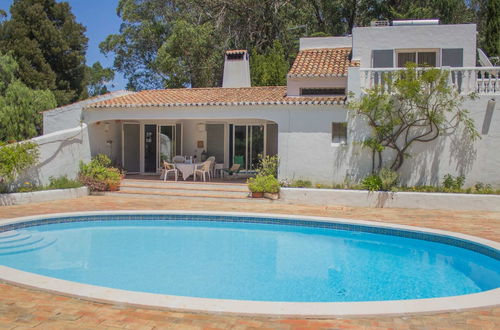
(22, 308)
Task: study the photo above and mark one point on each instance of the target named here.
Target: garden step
(184, 190)
(187, 185)
(174, 195)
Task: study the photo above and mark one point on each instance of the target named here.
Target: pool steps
(14, 241)
(215, 191)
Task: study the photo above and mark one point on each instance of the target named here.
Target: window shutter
(453, 57)
(383, 58)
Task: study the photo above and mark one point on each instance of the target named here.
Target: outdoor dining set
(185, 167)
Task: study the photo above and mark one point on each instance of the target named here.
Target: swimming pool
(254, 259)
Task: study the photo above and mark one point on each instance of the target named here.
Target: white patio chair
(212, 166)
(204, 170)
(179, 159)
(168, 168)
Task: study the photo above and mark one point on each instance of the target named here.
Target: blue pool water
(247, 261)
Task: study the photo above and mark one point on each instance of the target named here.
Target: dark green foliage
(49, 46)
(166, 43)
(372, 183)
(492, 29)
(269, 68)
(97, 77)
(20, 106)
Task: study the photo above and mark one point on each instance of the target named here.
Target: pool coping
(261, 308)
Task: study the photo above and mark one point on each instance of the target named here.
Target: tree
(19, 105)
(269, 68)
(412, 106)
(97, 78)
(49, 46)
(492, 29)
(191, 56)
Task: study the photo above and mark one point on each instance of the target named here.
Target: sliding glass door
(248, 145)
(167, 143)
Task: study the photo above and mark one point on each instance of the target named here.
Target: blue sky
(99, 16)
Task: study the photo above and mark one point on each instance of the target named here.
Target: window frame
(339, 138)
(437, 51)
(323, 88)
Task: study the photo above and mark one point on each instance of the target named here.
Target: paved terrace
(22, 308)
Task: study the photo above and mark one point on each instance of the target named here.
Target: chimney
(236, 69)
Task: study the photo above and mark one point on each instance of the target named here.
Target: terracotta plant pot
(114, 187)
(257, 194)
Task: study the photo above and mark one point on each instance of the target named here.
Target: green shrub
(372, 183)
(268, 166)
(301, 184)
(388, 178)
(16, 158)
(63, 182)
(264, 184)
(102, 160)
(97, 176)
(453, 184)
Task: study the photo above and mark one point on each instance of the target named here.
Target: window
(339, 133)
(421, 58)
(322, 91)
(238, 56)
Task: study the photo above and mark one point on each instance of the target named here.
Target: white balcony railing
(480, 80)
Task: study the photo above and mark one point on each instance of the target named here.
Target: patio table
(187, 169)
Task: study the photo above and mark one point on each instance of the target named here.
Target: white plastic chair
(204, 170)
(168, 168)
(212, 166)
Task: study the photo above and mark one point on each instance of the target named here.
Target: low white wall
(70, 115)
(362, 198)
(60, 154)
(42, 196)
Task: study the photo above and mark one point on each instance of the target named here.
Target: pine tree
(49, 46)
(492, 31)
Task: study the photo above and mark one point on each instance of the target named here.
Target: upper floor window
(322, 91)
(421, 58)
(339, 133)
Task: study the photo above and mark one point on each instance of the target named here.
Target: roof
(322, 62)
(83, 103)
(236, 51)
(216, 96)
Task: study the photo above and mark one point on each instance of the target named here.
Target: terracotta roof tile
(236, 51)
(322, 62)
(212, 97)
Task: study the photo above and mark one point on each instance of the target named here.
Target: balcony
(480, 80)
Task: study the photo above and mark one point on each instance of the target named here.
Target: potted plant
(262, 184)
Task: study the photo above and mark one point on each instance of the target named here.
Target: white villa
(306, 123)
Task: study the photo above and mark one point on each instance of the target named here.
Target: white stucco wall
(70, 115)
(105, 138)
(295, 84)
(306, 151)
(325, 42)
(60, 154)
(366, 39)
